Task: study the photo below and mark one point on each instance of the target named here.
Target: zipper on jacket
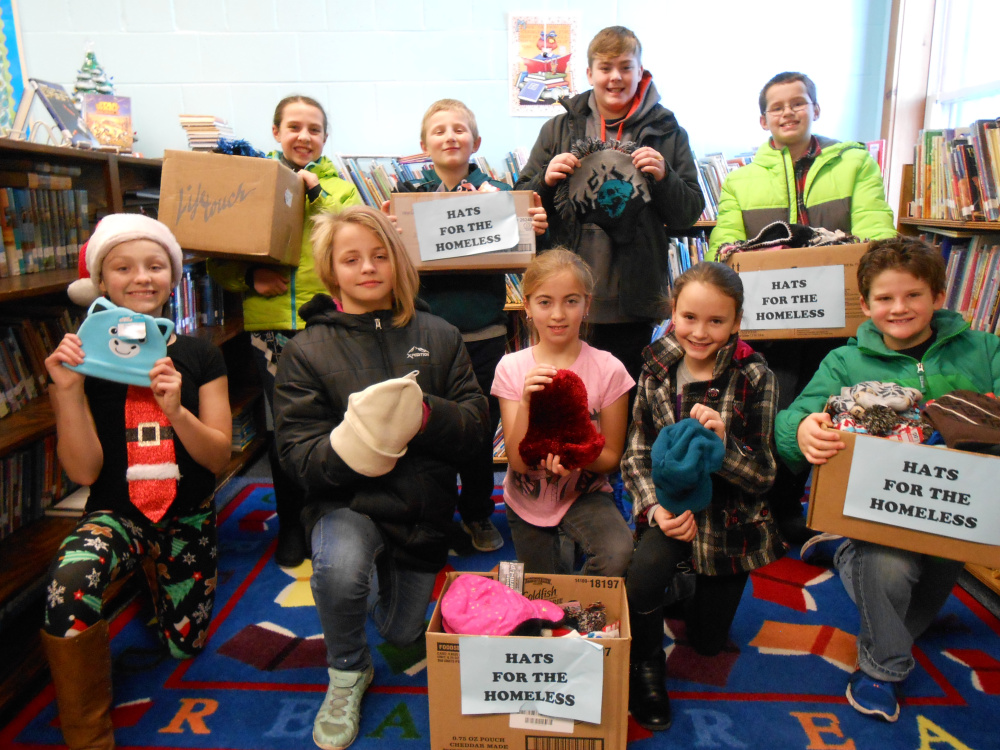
(380, 338)
(295, 313)
(920, 374)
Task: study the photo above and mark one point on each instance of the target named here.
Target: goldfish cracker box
(922, 498)
(238, 207)
(805, 292)
(540, 699)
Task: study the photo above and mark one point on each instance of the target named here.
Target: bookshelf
(957, 230)
(111, 182)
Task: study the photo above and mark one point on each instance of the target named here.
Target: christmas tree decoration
(91, 79)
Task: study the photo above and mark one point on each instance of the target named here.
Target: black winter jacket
(339, 354)
(677, 198)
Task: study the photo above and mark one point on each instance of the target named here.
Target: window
(964, 84)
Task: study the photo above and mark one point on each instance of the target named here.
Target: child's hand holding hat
(379, 423)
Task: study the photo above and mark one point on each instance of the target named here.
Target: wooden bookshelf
(910, 225)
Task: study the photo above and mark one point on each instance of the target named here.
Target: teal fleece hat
(684, 457)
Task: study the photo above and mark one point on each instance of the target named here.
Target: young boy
(799, 178)
(835, 184)
(623, 105)
(911, 341)
(473, 303)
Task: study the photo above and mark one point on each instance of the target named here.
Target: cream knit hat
(379, 423)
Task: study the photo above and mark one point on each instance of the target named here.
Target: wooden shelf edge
(987, 576)
(32, 422)
(36, 284)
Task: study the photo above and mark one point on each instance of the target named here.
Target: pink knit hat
(113, 230)
(474, 605)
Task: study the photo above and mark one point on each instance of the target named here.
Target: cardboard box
(829, 492)
(237, 207)
(451, 730)
(788, 298)
(401, 206)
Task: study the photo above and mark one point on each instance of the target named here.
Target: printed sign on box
(940, 503)
(810, 297)
(767, 316)
(468, 224)
(946, 492)
(556, 677)
(489, 256)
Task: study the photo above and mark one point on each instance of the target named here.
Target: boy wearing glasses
(835, 184)
(799, 178)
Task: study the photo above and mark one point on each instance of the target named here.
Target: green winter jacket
(843, 191)
(959, 358)
(280, 313)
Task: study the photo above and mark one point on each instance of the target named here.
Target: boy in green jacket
(911, 341)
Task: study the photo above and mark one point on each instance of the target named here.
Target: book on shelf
(61, 108)
(197, 300)
(499, 452)
(513, 283)
(109, 119)
(71, 506)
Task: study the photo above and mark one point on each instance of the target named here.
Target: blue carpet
(779, 684)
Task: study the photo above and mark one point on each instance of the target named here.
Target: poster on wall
(542, 60)
(11, 77)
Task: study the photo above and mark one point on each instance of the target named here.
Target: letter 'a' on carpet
(779, 684)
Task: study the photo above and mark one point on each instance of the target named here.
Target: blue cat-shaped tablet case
(121, 345)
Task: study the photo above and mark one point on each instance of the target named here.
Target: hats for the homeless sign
(467, 224)
(949, 493)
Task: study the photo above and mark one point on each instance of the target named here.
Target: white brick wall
(377, 64)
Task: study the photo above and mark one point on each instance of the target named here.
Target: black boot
(648, 700)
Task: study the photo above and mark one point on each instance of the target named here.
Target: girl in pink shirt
(547, 499)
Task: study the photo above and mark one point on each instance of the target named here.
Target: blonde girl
(549, 502)
(375, 403)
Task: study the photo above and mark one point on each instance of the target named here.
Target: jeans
(592, 522)
(347, 551)
(898, 594)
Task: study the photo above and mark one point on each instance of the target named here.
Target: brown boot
(81, 674)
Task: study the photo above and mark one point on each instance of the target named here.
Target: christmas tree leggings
(105, 546)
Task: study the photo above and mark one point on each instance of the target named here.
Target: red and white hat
(113, 230)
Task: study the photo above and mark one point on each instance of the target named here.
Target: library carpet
(780, 684)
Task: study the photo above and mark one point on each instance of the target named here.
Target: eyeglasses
(777, 110)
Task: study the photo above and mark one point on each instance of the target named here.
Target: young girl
(150, 456)
(375, 405)
(272, 294)
(703, 371)
(546, 500)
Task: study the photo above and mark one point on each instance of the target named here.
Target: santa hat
(111, 231)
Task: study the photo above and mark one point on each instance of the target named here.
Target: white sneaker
(337, 722)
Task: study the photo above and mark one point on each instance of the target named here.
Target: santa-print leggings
(104, 546)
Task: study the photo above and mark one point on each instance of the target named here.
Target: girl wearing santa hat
(149, 455)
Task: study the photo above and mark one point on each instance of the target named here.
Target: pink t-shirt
(542, 500)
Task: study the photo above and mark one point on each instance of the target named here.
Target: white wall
(377, 64)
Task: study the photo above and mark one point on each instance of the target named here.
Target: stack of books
(973, 279)
(204, 131)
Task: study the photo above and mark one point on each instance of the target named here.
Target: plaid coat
(736, 532)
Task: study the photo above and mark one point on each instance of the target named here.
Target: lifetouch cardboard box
(239, 207)
(800, 293)
(453, 730)
(916, 497)
(463, 230)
